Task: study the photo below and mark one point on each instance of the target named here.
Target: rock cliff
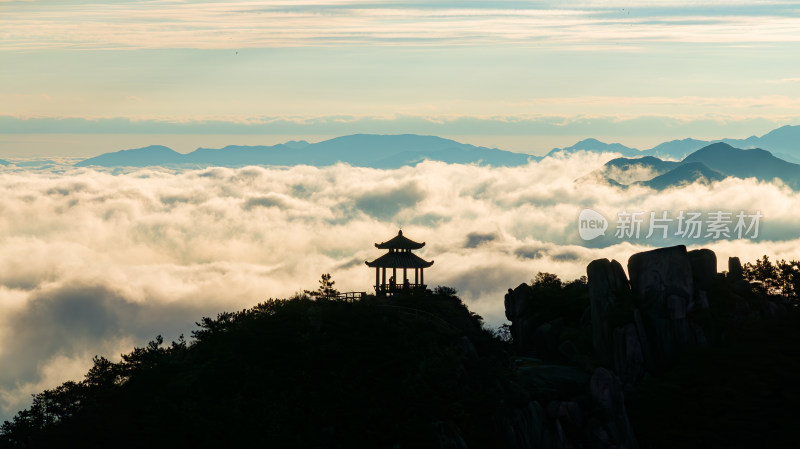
(632, 327)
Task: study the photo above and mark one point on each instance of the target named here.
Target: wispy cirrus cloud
(224, 25)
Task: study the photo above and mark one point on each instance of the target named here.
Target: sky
(95, 261)
(522, 76)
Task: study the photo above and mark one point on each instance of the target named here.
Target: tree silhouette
(780, 277)
(325, 289)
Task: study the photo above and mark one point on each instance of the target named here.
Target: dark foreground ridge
(704, 359)
(378, 372)
(677, 356)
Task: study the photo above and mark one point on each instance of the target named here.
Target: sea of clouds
(93, 262)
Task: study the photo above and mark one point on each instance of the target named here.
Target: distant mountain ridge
(395, 151)
(709, 164)
(362, 150)
(783, 142)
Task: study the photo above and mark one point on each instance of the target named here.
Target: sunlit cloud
(93, 262)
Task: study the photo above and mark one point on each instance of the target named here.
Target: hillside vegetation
(288, 373)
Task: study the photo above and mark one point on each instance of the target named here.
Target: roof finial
(400, 232)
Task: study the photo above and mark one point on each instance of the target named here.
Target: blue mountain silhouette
(783, 142)
(596, 146)
(363, 150)
(708, 164)
(685, 174)
(139, 157)
(754, 163)
(394, 151)
(676, 149)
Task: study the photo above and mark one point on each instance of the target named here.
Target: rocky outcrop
(628, 354)
(585, 411)
(615, 339)
(613, 429)
(705, 278)
(703, 263)
(533, 332)
(662, 286)
(519, 304)
(608, 290)
(735, 271)
(677, 299)
(666, 308)
(673, 299)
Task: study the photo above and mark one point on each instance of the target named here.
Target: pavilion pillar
(405, 276)
(383, 277)
(377, 280)
(394, 274)
(421, 276)
(416, 276)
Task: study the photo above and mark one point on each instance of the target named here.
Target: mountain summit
(138, 157)
(754, 163)
(596, 146)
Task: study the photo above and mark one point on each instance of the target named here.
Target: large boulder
(608, 291)
(736, 277)
(704, 276)
(663, 287)
(704, 268)
(735, 271)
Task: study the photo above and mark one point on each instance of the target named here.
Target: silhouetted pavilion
(399, 256)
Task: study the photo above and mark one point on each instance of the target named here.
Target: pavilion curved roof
(400, 242)
(399, 260)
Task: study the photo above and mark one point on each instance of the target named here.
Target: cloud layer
(93, 262)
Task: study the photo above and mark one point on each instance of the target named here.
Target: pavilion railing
(383, 288)
(351, 296)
